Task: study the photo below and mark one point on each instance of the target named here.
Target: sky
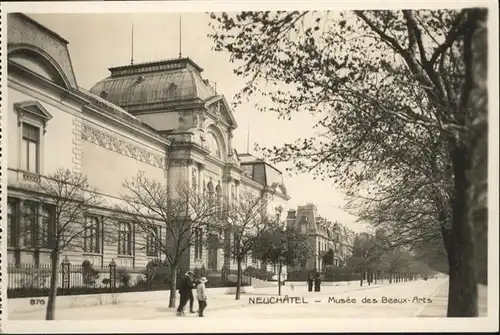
(100, 41)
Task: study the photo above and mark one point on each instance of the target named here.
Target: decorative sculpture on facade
(110, 142)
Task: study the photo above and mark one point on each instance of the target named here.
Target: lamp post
(112, 275)
(65, 266)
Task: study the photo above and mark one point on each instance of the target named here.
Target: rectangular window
(30, 149)
(198, 243)
(92, 235)
(45, 226)
(125, 239)
(28, 224)
(12, 222)
(153, 242)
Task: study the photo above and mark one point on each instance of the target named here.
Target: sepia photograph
(223, 167)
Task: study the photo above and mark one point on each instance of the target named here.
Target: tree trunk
(478, 146)
(173, 286)
(238, 279)
(462, 300)
(50, 312)
(361, 280)
(279, 278)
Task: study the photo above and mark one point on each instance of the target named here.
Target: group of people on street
(314, 279)
(187, 284)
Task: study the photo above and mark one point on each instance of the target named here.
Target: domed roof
(155, 82)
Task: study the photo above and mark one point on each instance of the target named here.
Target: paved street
(347, 302)
(325, 304)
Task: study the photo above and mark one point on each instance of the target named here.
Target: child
(201, 295)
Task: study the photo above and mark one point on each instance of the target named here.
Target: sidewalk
(439, 306)
(133, 310)
(159, 309)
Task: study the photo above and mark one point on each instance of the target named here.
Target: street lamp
(65, 265)
(112, 275)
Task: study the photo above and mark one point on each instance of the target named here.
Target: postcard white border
(489, 323)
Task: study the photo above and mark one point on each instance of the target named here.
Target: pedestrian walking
(201, 295)
(186, 293)
(292, 286)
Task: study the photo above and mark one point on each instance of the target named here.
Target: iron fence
(30, 280)
(327, 277)
(225, 277)
(34, 279)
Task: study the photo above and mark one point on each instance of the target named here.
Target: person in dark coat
(186, 293)
(310, 283)
(317, 284)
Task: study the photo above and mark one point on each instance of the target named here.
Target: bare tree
(183, 213)
(245, 218)
(65, 198)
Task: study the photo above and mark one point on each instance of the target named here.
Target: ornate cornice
(111, 142)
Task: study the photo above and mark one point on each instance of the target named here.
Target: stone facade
(324, 236)
(161, 118)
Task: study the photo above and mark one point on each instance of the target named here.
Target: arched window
(125, 239)
(210, 192)
(213, 145)
(210, 188)
(38, 63)
(172, 91)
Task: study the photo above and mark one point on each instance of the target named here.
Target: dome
(155, 82)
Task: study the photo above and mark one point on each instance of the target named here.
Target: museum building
(162, 118)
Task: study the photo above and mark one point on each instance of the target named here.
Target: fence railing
(329, 277)
(29, 280)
